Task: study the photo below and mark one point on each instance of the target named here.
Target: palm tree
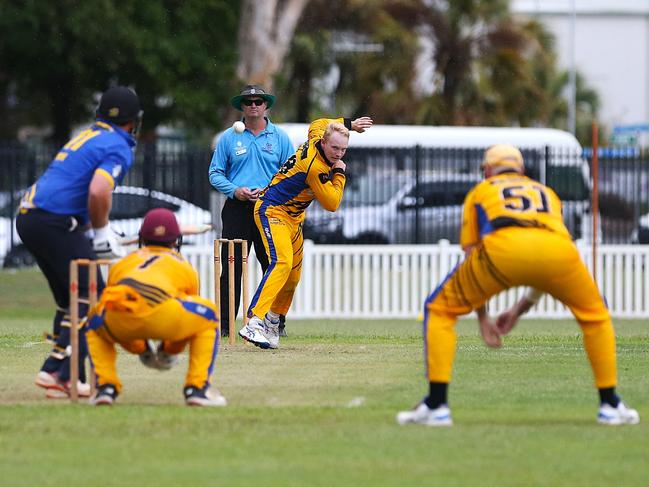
(489, 68)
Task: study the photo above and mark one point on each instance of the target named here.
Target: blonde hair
(335, 127)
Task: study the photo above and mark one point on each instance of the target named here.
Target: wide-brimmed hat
(252, 90)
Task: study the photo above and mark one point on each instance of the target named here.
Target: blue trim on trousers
(429, 300)
(273, 258)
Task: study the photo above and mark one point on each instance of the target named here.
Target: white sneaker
(46, 380)
(204, 397)
(422, 414)
(56, 389)
(104, 396)
(615, 416)
(255, 333)
(271, 331)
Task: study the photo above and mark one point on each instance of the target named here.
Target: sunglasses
(257, 101)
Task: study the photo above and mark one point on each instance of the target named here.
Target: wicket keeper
(513, 235)
(315, 171)
(153, 294)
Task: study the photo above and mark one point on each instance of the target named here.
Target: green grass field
(320, 411)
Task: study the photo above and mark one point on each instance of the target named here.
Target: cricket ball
(239, 126)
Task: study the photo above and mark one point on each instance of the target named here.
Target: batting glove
(105, 244)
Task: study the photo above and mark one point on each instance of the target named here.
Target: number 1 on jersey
(148, 262)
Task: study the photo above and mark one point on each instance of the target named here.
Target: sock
(608, 396)
(272, 317)
(437, 395)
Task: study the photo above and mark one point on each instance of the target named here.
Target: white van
(432, 136)
(552, 156)
(396, 157)
(556, 149)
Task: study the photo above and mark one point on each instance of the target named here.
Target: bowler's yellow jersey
(509, 200)
(305, 176)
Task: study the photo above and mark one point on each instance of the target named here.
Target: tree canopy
(468, 62)
(56, 56)
(442, 62)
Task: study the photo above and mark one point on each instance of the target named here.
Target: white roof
(464, 137)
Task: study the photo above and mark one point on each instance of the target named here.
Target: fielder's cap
(503, 155)
(160, 225)
(119, 105)
(252, 91)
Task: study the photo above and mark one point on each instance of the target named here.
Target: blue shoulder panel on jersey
(286, 189)
(484, 225)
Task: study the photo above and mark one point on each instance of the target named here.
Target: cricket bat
(184, 229)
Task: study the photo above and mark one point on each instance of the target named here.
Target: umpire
(242, 165)
(74, 195)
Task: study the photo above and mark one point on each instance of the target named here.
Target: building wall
(611, 50)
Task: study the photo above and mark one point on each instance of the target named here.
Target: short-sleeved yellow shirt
(509, 200)
(155, 271)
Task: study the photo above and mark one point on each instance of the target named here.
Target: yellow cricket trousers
(519, 257)
(186, 319)
(284, 244)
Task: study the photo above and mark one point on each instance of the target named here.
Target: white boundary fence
(392, 281)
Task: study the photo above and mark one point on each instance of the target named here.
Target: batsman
(67, 204)
(513, 235)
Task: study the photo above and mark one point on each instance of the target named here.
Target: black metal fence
(169, 166)
(623, 186)
(393, 195)
(415, 195)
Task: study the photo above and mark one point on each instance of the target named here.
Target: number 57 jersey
(509, 200)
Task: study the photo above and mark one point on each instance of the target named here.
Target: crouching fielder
(153, 294)
(513, 235)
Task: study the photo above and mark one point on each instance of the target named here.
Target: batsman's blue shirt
(248, 160)
(63, 188)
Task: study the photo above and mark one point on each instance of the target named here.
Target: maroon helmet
(160, 226)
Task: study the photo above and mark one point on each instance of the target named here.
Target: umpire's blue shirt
(63, 188)
(248, 160)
